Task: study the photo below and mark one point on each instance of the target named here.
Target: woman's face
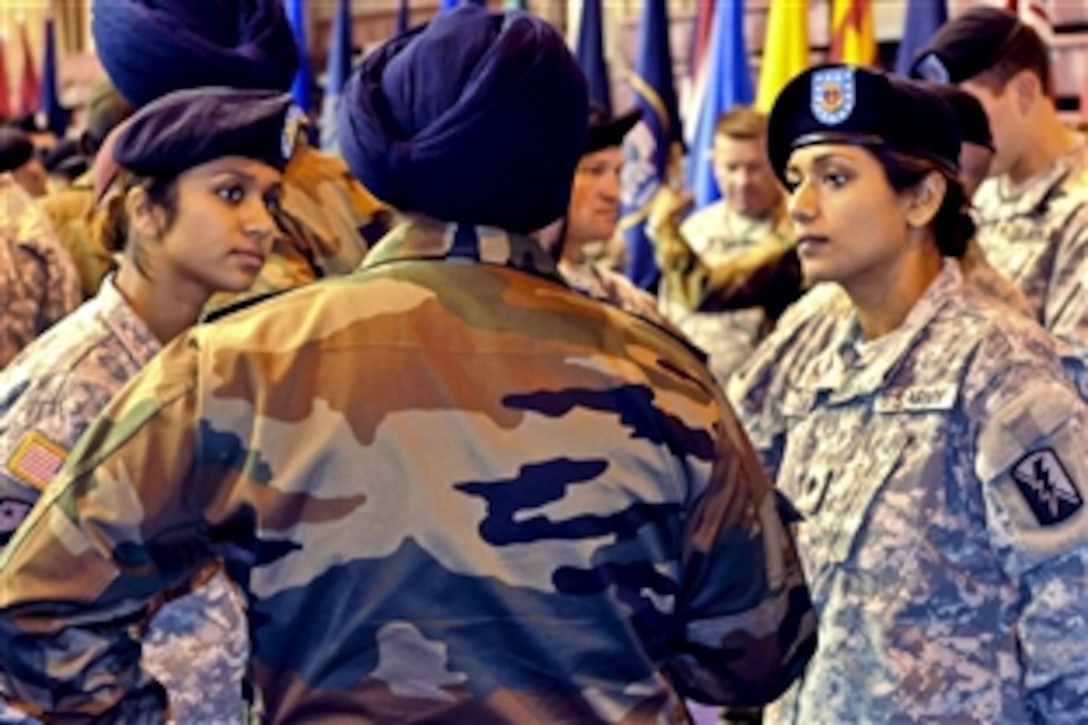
(222, 229)
(849, 222)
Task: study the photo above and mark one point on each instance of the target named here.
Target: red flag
(852, 37)
(5, 91)
(30, 90)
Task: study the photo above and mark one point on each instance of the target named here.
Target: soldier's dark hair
(953, 226)
(1023, 50)
(115, 231)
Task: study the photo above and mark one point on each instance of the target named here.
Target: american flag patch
(36, 460)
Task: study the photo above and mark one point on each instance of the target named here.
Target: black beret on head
(840, 104)
(606, 131)
(974, 125)
(188, 128)
(967, 45)
(477, 118)
(16, 148)
(152, 47)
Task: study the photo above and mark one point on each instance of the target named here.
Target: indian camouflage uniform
(727, 337)
(940, 474)
(452, 489)
(196, 645)
(1037, 236)
(38, 284)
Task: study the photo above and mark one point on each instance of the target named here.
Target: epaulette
(238, 305)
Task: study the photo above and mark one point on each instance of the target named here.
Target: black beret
(606, 131)
(152, 47)
(187, 128)
(476, 118)
(974, 125)
(841, 104)
(967, 45)
(16, 148)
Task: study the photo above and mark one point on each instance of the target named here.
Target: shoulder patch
(36, 460)
(1047, 487)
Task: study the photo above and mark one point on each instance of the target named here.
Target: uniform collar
(123, 322)
(1033, 193)
(854, 366)
(428, 239)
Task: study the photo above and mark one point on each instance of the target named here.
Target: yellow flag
(785, 51)
(852, 37)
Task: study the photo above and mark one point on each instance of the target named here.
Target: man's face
(744, 175)
(595, 197)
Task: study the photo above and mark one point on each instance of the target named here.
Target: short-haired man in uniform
(453, 488)
(1032, 215)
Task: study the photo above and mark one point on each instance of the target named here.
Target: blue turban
(152, 47)
(477, 118)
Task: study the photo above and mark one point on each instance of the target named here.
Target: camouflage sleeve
(62, 291)
(1031, 459)
(741, 644)
(78, 226)
(1065, 312)
(77, 584)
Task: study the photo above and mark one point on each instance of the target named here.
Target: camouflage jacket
(196, 646)
(38, 284)
(71, 212)
(452, 490)
(1037, 236)
(940, 471)
(720, 237)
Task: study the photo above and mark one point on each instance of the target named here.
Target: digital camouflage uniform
(940, 471)
(728, 337)
(38, 284)
(452, 489)
(197, 645)
(600, 282)
(1037, 236)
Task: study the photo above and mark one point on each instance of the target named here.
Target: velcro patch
(1047, 487)
(36, 460)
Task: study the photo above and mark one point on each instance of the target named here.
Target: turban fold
(477, 118)
(152, 47)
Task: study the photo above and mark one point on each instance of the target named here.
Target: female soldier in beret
(933, 446)
(190, 216)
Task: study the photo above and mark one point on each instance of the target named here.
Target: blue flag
(56, 116)
(728, 83)
(451, 4)
(339, 68)
(590, 53)
(300, 88)
(653, 149)
(403, 17)
(922, 20)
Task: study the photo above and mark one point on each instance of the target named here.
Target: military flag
(922, 20)
(852, 37)
(653, 150)
(403, 17)
(300, 87)
(785, 49)
(5, 90)
(339, 68)
(729, 83)
(55, 115)
(590, 53)
(30, 90)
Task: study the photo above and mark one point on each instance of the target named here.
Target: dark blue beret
(842, 104)
(187, 128)
(152, 47)
(477, 117)
(974, 125)
(16, 148)
(967, 45)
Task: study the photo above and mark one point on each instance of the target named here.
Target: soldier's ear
(925, 199)
(142, 213)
